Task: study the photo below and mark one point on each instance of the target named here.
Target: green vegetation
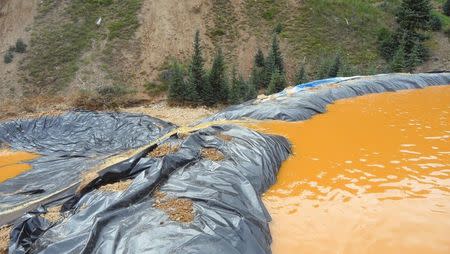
(435, 23)
(59, 40)
(199, 88)
(222, 21)
(446, 8)
(20, 46)
(218, 80)
(405, 48)
(277, 82)
(197, 82)
(8, 57)
(301, 76)
(106, 97)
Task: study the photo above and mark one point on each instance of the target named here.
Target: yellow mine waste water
(369, 176)
(11, 163)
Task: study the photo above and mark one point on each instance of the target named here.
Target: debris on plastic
(211, 211)
(178, 209)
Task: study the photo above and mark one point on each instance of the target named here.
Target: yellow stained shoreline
(369, 176)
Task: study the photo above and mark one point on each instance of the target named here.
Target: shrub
(435, 23)
(154, 89)
(398, 61)
(278, 28)
(447, 32)
(446, 8)
(177, 84)
(387, 44)
(103, 98)
(8, 57)
(301, 77)
(335, 66)
(277, 83)
(21, 47)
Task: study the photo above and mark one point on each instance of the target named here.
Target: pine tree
(414, 14)
(413, 59)
(446, 8)
(234, 97)
(197, 84)
(177, 86)
(242, 88)
(277, 82)
(398, 61)
(260, 60)
(301, 78)
(335, 66)
(274, 60)
(258, 70)
(218, 79)
(252, 92)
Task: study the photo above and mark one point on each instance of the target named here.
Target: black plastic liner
(70, 144)
(302, 105)
(229, 214)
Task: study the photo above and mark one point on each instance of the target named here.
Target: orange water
(369, 176)
(11, 163)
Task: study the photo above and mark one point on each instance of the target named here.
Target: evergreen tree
(301, 78)
(218, 80)
(242, 88)
(259, 59)
(398, 61)
(235, 96)
(435, 23)
(414, 14)
(413, 58)
(177, 86)
(446, 8)
(252, 92)
(197, 84)
(274, 60)
(277, 82)
(335, 66)
(258, 71)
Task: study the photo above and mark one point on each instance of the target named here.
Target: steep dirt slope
(167, 30)
(16, 18)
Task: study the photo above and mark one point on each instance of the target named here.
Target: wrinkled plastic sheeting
(302, 102)
(82, 133)
(229, 214)
(70, 144)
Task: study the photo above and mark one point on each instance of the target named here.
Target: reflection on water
(11, 163)
(369, 176)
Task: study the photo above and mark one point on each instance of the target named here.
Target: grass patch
(63, 34)
(223, 18)
(103, 98)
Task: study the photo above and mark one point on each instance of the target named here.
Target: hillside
(80, 45)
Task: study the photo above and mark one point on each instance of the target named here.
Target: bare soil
(181, 116)
(53, 214)
(115, 187)
(178, 209)
(4, 239)
(212, 154)
(164, 150)
(224, 137)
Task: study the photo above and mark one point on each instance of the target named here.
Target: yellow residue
(369, 176)
(11, 163)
